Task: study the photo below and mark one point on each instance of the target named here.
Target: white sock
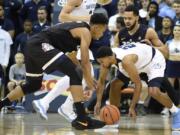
(62, 85)
(68, 103)
(140, 102)
(173, 109)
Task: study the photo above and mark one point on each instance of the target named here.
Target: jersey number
(125, 47)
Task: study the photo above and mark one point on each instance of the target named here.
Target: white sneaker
(165, 112)
(40, 109)
(68, 114)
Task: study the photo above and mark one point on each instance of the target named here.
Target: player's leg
(75, 74)
(33, 84)
(41, 106)
(164, 99)
(116, 87)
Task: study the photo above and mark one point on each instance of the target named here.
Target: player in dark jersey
(136, 32)
(45, 52)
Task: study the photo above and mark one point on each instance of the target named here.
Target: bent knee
(154, 91)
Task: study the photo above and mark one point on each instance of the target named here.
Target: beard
(132, 27)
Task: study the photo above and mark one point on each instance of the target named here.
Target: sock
(80, 110)
(140, 102)
(173, 109)
(5, 102)
(61, 86)
(68, 103)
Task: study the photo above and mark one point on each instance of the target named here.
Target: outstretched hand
(132, 113)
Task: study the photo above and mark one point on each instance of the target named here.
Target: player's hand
(132, 113)
(97, 108)
(88, 94)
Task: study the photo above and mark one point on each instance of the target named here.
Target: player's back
(143, 51)
(86, 8)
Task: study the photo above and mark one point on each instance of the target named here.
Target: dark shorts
(156, 82)
(173, 69)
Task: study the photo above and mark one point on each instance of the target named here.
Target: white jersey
(150, 60)
(143, 51)
(86, 8)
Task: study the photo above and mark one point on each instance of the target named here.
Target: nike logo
(83, 123)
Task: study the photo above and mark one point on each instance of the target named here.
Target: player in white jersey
(131, 60)
(79, 10)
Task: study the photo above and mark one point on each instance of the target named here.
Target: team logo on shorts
(47, 47)
(157, 66)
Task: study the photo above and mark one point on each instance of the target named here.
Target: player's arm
(85, 39)
(128, 64)
(65, 14)
(116, 40)
(100, 88)
(156, 42)
(101, 83)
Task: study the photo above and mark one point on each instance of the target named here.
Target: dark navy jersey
(59, 36)
(124, 37)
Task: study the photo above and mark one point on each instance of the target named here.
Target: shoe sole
(36, 106)
(175, 129)
(60, 111)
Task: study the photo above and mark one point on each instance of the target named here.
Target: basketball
(110, 114)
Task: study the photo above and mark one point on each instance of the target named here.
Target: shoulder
(75, 3)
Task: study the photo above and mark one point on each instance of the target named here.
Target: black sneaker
(88, 123)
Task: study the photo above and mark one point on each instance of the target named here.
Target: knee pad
(31, 86)
(76, 77)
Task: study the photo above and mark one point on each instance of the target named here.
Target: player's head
(131, 17)
(19, 58)
(105, 56)
(98, 24)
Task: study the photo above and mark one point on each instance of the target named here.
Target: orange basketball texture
(110, 114)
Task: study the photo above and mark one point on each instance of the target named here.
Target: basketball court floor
(32, 124)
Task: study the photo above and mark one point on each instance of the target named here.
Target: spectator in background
(166, 9)
(143, 13)
(173, 63)
(176, 7)
(119, 26)
(17, 72)
(154, 21)
(129, 2)
(29, 10)
(20, 41)
(5, 45)
(111, 8)
(112, 20)
(42, 21)
(11, 11)
(6, 23)
(165, 33)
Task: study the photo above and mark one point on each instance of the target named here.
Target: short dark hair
(104, 51)
(132, 8)
(120, 20)
(98, 18)
(42, 8)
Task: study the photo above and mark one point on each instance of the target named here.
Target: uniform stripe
(33, 75)
(52, 60)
